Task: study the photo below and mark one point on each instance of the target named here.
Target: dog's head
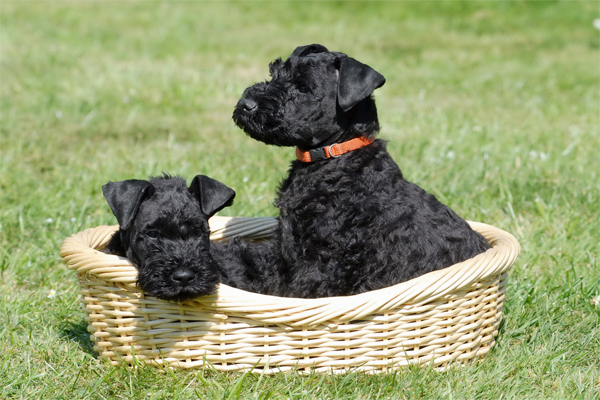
(314, 98)
(164, 232)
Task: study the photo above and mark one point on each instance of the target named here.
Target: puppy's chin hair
(259, 130)
(169, 293)
(184, 294)
(275, 137)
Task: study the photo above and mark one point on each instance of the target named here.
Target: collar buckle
(317, 154)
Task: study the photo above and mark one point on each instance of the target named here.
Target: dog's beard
(274, 135)
(266, 125)
(155, 279)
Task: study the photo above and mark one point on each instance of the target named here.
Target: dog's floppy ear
(212, 194)
(356, 82)
(302, 51)
(125, 197)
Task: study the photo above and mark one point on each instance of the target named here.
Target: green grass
(492, 106)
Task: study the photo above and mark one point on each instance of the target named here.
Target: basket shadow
(78, 333)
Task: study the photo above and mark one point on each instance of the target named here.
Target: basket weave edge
(77, 251)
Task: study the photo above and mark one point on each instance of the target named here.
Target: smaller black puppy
(164, 232)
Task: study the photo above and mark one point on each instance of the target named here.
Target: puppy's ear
(302, 51)
(125, 197)
(356, 82)
(212, 194)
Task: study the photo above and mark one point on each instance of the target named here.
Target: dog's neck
(334, 150)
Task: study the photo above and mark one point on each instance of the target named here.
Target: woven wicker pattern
(441, 317)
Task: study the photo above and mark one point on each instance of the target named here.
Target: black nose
(183, 277)
(248, 106)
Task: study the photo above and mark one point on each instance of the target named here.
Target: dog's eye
(302, 88)
(152, 234)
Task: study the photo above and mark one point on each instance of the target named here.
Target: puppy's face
(296, 107)
(169, 244)
(308, 100)
(167, 239)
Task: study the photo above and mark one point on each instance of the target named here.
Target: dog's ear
(302, 51)
(212, 194)
(125, 197)
(356, 82)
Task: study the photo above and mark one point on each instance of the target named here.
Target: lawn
(492, 106)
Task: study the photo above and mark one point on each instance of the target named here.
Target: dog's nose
(248, 105)
(183, 277)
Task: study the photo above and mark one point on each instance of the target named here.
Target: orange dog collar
(332, 151)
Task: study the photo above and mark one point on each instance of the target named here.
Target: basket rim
(82, 253)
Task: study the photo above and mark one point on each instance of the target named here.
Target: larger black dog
(349, 221)
(164, 232)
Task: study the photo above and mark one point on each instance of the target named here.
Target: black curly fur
(350, 224)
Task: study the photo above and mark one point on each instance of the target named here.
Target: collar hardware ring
(329, 148)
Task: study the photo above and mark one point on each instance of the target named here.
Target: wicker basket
(444, 316)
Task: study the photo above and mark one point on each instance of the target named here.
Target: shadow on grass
(78, 333)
